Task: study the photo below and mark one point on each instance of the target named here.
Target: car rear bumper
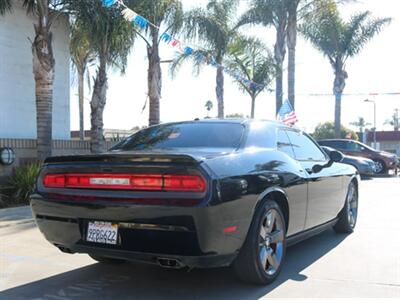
(391, 165)
(194, 236)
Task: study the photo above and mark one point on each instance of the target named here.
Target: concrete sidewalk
(15, 215)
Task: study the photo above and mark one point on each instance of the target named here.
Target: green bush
(327, 131)
(23, 181)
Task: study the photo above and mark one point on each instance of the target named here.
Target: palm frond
(366, 29)
(168, 13)
(336, 38)
(250, 58)
(5, 6)
(108, 34)
(31, 5)
(197, 64)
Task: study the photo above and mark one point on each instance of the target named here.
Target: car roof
(337, 140)
(229, 121)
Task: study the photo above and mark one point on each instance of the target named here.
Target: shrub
(23, 181)
(327, 131)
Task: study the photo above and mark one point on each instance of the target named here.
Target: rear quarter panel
(245, 178)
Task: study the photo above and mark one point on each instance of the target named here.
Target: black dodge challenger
(193, 194)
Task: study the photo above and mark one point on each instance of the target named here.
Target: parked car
(364, 166)
(384, 161)
(206, 193)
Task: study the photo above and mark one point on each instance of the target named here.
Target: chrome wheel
(379, 166)
(272, 234)
(352, 205)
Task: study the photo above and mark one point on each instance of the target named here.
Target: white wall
(17, 86)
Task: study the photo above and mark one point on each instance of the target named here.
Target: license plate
(102, 232)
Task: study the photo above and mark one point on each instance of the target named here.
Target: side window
(352, 146)
(304, 148)
(283, 143)
(342, 145)
(260, 135)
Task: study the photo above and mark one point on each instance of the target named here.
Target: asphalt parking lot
(363, 264)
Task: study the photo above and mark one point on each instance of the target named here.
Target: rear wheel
(260, 259)
(107, 260)
(348, 215)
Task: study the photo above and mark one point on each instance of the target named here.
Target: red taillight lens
(54, 180)
(191, 183)
(153, 182)
(147, 182)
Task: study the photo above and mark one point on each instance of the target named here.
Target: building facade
(385, 140)
(17, 85)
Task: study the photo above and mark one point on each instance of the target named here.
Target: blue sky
(375, 70)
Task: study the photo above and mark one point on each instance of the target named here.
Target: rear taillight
(150, 182)
(54, 180)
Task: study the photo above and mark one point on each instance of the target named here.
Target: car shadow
(138, 281)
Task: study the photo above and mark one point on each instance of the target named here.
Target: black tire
(348, 215)
(107, 260)
(248, 266)
(382, 169)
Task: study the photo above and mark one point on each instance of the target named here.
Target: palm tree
(81, 56)
(215, 29)
(43, 64)
(247, 57)
(272, 13)
(293, 7)
(209, 105)
(339, 40)
(166, 13)
(111, 39)
(361, 124)
(395, 120)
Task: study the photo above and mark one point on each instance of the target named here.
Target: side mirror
(317, 168)
(336, 156)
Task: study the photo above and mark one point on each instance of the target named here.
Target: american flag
(286, 114)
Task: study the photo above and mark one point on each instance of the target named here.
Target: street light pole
(373, 101)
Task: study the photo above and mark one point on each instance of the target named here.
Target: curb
(22, 222)
(15, 216)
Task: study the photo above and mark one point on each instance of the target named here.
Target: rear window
(185, 135)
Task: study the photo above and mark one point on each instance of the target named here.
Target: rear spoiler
(126, 157)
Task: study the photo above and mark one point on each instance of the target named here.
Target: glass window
(304, 148)
(352, 146)
(283, 143)
(260, 135)
(185, 135)
(334, 144)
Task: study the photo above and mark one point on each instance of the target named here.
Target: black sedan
(198, 194)
(364, 166)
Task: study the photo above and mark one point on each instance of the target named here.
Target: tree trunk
(81, 95)
(43, 70)
(99, 97)
(278, 88)
(253, 105)
(219, 89)
(291, 42)
(279, 56)
(154, 80)
(338, 109)
(338, 87)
